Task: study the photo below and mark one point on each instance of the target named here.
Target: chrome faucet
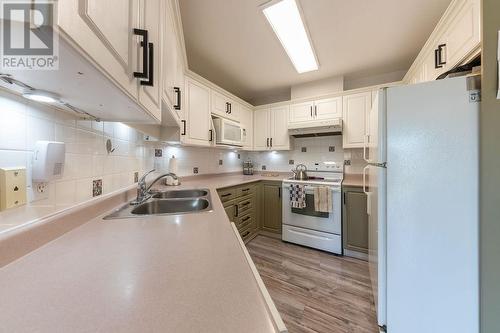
(143, 189)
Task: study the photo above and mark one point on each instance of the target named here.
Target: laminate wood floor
(315, 291)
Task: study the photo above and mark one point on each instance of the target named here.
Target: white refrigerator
(422, 149)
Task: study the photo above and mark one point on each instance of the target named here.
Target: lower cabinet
(355, 220)
(253, 207)
(272, 216)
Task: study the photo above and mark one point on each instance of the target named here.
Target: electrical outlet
(331, 149)
(136, 177)
(158, 153)
(264, 167)
(291, 162)
(239, 156)
(221, 162)
(347, 162)
(39, 191)
(303, 149)
(195, 170)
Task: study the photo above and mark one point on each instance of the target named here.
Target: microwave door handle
(365, 144)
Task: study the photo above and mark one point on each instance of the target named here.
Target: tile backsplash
(309, 151)
(22, 123)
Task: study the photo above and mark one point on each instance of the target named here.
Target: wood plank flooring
(314, 291)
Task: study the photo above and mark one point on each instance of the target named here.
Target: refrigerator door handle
(365, 144)
(368, 204)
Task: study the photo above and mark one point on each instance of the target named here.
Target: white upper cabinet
(172, 63)
(463, 33)
(246, 118)
(327, 109)
(456, 39)
(261, 129)
(271, 129)
(279, 138)
(149, 89)
(104, 32)
(197, 124)
(224, 106)
(356, 107)
(301, 112)
(315, 113)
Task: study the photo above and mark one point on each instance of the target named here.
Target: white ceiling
(230, 42)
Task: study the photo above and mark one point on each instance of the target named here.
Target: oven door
(308, 217)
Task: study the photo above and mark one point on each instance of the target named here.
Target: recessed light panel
(286, 21)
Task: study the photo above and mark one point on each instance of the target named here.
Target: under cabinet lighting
(41, 96)
(286, 21)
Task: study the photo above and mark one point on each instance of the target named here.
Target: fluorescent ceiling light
(41, 96)
(286, 21)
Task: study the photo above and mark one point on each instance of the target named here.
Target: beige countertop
(353, 179)
(182, 273)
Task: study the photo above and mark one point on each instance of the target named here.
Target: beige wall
(490, 173)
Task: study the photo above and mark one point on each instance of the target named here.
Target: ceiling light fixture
(41, 96)
(286, 21)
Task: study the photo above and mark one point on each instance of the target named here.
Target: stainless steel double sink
(171, 202)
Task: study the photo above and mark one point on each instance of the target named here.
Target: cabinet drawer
(245, 204)
(246, 221)
(228, 194)
(246, 190)
(246, 233)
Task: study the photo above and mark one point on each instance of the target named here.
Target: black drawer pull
(245, 234)
(245, 190)
(245, 219)
(246, 203)
(226, 195)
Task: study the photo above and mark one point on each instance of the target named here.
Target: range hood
(327, 128)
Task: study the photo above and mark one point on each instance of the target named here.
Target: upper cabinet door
(197, 114)
(301, 112)
(261, 127)
(246, 118)
(104, 31)
(328, 109)
(150, 92)
(355, 110)
(463, 34)
(280, 139)
(224, 106)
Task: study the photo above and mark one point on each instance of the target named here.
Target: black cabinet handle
(144, 45)
(227, 107)
(245, 234)
(237, 212)
(211, 135)
(279, 192)
(226, 195)
(230, 108)
(311, 111)
(267, 144)
(184, 127)
(438, 56)
(177, 91)
(271, 142)
(150, 81)
(245, 219)
(245, 190)
(315, 110)
(246, 203)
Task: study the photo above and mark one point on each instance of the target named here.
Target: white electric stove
(308, 227)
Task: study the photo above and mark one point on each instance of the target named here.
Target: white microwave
(228, 132)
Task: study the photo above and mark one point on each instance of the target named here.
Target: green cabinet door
(271, 207)
(231, 211)
(355, 220)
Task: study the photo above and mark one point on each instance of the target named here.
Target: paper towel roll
(172, 165)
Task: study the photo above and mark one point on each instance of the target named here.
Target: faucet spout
(143, 188)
